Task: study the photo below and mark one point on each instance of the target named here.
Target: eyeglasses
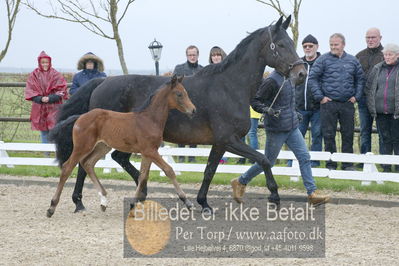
(310, 46)
(192, 55)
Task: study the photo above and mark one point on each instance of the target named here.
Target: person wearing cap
(47, 89)
(368, 58)
(91, 67)
(305, 104)
(336, 81)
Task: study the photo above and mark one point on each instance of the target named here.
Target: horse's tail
(61, 135)
(79, 103)
(69, 112)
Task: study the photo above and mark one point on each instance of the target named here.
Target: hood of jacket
(43, 55)
(98, 62)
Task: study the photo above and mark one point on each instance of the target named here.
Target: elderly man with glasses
(306, 105)
(368, 58)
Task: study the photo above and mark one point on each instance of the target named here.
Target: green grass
(284, 182)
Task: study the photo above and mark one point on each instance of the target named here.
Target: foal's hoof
(207, 210)
(103, 207)
(50, 213)
(188, 204)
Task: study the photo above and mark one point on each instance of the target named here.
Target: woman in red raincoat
(47, 89)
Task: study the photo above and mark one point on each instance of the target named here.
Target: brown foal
(95, 133)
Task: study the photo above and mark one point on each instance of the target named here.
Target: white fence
(368, 174)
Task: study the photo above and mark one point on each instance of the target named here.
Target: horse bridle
(290, 67)
(275, 52)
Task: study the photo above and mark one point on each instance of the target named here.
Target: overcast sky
(179, 23)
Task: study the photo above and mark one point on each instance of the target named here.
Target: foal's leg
(88, 164)
(144, 172)
(66, 171)
(168, 170)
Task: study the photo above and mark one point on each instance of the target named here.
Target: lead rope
(277, 113)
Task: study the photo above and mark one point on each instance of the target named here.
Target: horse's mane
(235, 55)
(148, 100)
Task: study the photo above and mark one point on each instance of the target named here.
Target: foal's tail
(61, 135)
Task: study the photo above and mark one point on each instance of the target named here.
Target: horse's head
(178, 97)
(279, 52)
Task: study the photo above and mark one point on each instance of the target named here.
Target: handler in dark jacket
(368, 58)
(92, 67)
(281, 124)
(305, 104)
(336, 81)
(382, 90)
(189, 68)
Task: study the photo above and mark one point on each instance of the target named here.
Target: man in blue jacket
(281, 124)
(336, 80)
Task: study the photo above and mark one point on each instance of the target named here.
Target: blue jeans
(274, 142)
(312, 117)
(366, 126)
(253, 134)
(44, 136)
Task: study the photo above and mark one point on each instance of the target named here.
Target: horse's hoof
(50, 213)
(207, 210)
(132, 206)
(275, 201)
(103, 208)
(79, 208)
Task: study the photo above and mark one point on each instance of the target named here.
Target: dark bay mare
(221, 93)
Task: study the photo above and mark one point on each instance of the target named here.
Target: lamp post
(156, 50)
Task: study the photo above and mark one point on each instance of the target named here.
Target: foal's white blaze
(103, 199)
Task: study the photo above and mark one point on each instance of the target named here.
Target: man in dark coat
(336, 81)
(368, 58)
(305, 104)
(189, 68)
(281, 124)
(91, 67)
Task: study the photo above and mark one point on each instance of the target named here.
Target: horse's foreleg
(88, 164)
(240, 148)
(213, 162)
(144, 172)
(123, 159)
(77, 192)
(168, 170)
(66, 171)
